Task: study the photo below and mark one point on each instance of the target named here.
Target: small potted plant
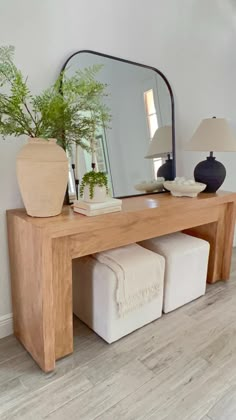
(67, 113)
(94, 187)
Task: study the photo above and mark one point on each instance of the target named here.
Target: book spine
(97, 212)
(97, 206)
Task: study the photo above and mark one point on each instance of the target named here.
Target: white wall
(191, 41)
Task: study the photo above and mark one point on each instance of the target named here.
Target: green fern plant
(92, 179)
(70, 110)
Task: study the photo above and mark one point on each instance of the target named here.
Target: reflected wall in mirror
(138, 149)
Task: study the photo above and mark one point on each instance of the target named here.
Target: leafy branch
(71, 114)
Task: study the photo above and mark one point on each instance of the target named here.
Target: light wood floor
(180, 367)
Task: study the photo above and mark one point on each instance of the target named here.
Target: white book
(98, 211)
(110, 202)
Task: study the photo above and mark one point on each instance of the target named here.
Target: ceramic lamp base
(210, 172)
(166, 170)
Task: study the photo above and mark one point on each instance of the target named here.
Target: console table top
(160, 203)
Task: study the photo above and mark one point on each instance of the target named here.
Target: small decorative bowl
(150, 186)
(184, 190)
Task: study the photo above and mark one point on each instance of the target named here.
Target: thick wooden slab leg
(220, 236)
(32, 294)
(62, 285)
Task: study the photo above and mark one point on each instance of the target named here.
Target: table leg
(32, 292)
(220, 236)
(62, 286)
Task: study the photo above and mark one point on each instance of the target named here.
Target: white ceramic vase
(100, 194)
(42, 173)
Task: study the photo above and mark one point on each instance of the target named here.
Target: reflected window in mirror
(152, 124)
(151, 112)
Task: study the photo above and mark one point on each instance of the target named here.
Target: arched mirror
(137, 150)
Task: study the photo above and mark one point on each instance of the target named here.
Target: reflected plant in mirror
(92, 114)
(85, 95)
(141, 104)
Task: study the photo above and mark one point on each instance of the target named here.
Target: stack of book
(111, 205)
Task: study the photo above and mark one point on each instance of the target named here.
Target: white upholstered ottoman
(186, 267)
(96, 293)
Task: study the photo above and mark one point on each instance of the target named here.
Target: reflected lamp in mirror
(161, 146)
(213, 134)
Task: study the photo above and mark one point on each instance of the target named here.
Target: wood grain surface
(42, 250)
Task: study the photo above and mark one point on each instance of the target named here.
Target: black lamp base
(166, 170)
(210, 172)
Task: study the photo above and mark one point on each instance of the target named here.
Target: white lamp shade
(161, 143)
(213, 134)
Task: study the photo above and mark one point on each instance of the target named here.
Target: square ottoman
(95, 293)
(186, 267)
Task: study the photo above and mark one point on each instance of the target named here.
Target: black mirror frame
(147, 67)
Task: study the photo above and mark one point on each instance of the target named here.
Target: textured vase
(100, 194)
(42, 173)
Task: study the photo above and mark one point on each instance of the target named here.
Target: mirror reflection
(136, 150)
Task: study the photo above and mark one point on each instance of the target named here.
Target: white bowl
(180, 190)
(149, 186)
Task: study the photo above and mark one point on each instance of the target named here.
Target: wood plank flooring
(181, 367)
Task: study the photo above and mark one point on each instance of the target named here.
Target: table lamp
(213, 134)
(161, 145)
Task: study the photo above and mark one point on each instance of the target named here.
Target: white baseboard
(6, 325)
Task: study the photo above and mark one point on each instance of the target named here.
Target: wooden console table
(42, 250)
